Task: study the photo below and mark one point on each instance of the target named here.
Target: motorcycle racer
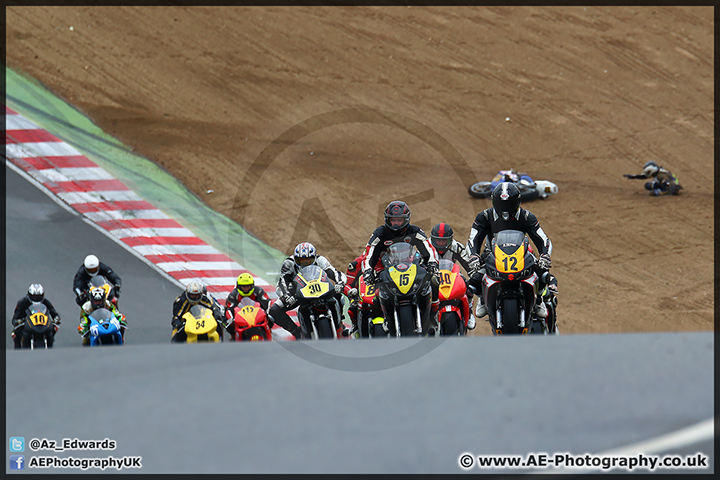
(305, 255)
(397, 228)
(441, 237)
(664, 181)
(97, 300)
(505, 214)
(92, 266)
(351, 288)
(35, 293)
(245, 287)
(195, 294)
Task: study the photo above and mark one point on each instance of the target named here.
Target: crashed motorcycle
(454, 310)
(405, 292)
(315, 294)
(529, 189)
(509, 284)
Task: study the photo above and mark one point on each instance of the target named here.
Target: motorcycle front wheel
(406, 317)
(363, 322)
(324, 327)
(377, 331)
(450, 324)
(510, 316)
(480, 190)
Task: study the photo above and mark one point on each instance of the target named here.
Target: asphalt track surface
(46, 243)
(350, 406)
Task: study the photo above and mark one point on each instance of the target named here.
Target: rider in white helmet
(303, 256)
(35, 293)
(663, 182)
(91, 267)
(194, 294)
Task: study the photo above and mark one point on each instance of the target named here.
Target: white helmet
(36, 292)
(92, 265)
(194, 292)
(651, 169)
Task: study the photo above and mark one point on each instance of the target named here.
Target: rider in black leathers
(36, 293)
(195, 294)
(91, 267)
(397, 228)
(506, 214)
(305, 255)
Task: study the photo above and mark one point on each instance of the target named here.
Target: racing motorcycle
(454, 311)
(200, 325)
(104, 328)
(369, 316)
(315, 293)
(529, 189)
(404, 289)
(250, 321)
(509, 284)
(38, 329)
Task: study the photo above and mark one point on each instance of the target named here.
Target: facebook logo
(17, 444)
(17, 462)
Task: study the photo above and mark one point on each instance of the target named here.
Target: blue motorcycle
(104, 328)
(529, 189)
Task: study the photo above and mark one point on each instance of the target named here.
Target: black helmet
(397, 210)
(441, 236)
(506, 200)
(36, 292)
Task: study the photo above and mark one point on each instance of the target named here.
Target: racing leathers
(458, 253)
(183, 304)
(18, 319)
(488, 223)
(286, 300)
(87, 309)
(233, 299)
(663, 182)
(383, 237)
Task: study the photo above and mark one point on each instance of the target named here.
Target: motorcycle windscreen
(38, 314)
(312, 282)
(102, 315)
(400, 253)
(199, 320)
